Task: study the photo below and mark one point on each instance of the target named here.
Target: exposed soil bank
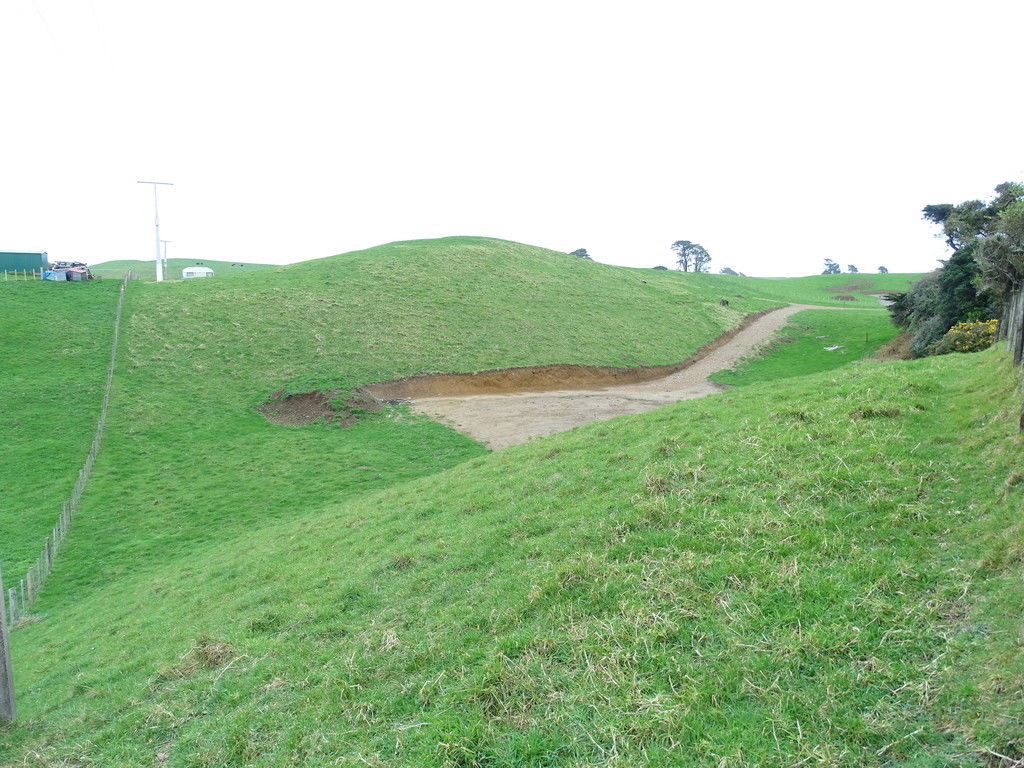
(502, 408)
(543, 378)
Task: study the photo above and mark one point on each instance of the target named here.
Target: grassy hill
(803, 570)
(860, 289)
(147, 269)
(55, 349)
(752, 577)
(187, 458)
(815, 340)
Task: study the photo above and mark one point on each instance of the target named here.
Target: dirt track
(503, 419)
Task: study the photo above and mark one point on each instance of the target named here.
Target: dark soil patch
(544, 378)
(304, 408)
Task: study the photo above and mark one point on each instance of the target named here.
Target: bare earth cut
(500, 417)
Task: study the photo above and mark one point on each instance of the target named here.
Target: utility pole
(156, 220)
(165, 242)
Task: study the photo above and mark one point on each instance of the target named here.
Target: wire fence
(16, 602)
(23, 274)
(37, 274)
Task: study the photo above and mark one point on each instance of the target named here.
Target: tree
(852, 269)
(700, 262)
(831, 268)
(1001, 255)
(728, 271)
(987, 239)
(972, 219)
(582, 254)
(659, 267)
(883, 271)
(937, 213)
(691, 256)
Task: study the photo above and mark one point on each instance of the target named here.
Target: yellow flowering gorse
(970, 336)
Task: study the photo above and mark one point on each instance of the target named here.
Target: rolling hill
(146, 270)
(55, 349)
(199, 356)
(824, 290)
(807, 568)
(627, 587)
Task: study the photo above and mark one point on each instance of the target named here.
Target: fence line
(17, 601)
(1011, 329)
(23, 274)
(7, 708)
(37, 274)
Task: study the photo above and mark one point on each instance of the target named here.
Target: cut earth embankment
(507, 407)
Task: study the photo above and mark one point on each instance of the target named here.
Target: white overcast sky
(774, 133)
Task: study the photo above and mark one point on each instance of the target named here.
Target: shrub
(970, 336)
(925, 334)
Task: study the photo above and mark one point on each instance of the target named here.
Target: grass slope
(822, 290)
(55, 340)
(802, 346)
(147, 269)
(187, 459)
(191, 475)
(804, 572)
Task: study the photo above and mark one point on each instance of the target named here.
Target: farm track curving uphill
(503, 408)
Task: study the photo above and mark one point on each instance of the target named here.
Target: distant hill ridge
(147, 269)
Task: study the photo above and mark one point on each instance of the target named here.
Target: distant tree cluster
(691, 257)
(581, 253)
(832, 268)
(730, 271)
(987, 239)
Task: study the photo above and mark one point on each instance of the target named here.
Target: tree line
(694, 257)
(973, 284)
(832, 268)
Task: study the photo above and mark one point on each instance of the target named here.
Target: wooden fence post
(1018, 325)
(1008, 330)
(7, 708)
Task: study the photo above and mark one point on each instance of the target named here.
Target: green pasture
(791, 571)
(820, 567)
(146, 270)
(815, 340)
(55, 340)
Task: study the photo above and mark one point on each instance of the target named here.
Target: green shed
(22, 260)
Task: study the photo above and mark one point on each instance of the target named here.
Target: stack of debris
(75, 271)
